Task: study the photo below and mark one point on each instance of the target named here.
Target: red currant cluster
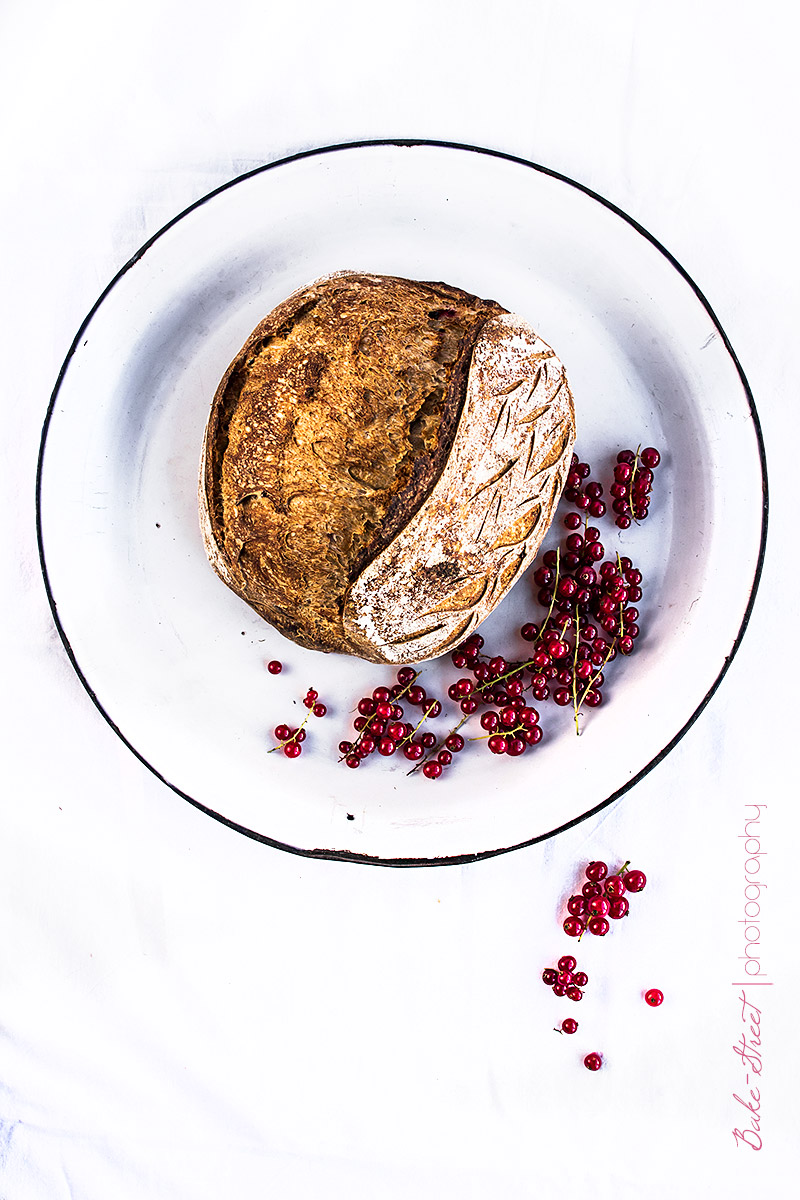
(380, 727)
(585, 496)
(601, 897)
(633, 481)
(290, 737)
(511, 724)
(566, 981)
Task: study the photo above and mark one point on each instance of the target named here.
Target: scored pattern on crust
(483, 523)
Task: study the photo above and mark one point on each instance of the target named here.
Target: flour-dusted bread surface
(382, 459)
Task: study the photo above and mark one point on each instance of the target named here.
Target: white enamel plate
(176, 663)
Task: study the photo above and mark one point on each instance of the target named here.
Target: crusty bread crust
(382, 459)
(484, 521)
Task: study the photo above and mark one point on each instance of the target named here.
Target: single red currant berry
(292, 749)
(576, 905)
(549, 976)
(353, 761)
(414, 751)
(592, 889)
(282, 732)
(650, 457)
(566, 963)
(429, 740)
(573, 926)
(580, 979)
(405, 675)
(569, 1025)
(515, 746)
(564, 977)
(490, 721)
(432, 770)
(599, 905)
(345, 747)
(454, 743)
(596, 871)
(574, 992)
(598, 926)
(274, 667)
(444, 757)
(559, 989)
(386, 746)
(654, 997)
(635, 880)
(593, 1061)
(618, 908)
(497, 744)
(319, 710)
(614, 886)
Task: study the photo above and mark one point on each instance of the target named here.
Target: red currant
(274, 667)
(593, 1061)
(596, 871)
(569, 1025)
(566, 963)
(598, 926)
(635, 880)
(654, 997)
(573, 926)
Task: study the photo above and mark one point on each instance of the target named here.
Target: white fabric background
(185, 1013)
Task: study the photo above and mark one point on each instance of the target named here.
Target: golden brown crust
(327, 433)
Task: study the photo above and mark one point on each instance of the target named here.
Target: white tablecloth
(186, 1013)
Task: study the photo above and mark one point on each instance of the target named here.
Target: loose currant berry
(274, 667)
(593, 1061)
(319, 710)
(654, 997)
(567, 963)
(549, 976)
(353, 761)
(650, 457)
(580, 979)
(282, 733)
(635, 880)
(432, 770)
(596, 871)
(569, 1025)
(618, 908)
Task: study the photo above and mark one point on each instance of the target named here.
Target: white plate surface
(177, 663)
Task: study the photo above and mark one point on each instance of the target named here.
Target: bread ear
(485, 519)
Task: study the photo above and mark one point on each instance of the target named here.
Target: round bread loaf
(382, 459)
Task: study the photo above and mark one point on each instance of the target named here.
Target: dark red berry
(432, 770)
(274, 667)
(573, 926)
(635, 880)
(549, 976)
(593, 1061)
(569, 1025)
(319, 710)
(598, 926)
(566, 963)
(596, 871)
(574, 993)
(654, 997)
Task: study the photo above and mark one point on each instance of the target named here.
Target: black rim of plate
(347, 855)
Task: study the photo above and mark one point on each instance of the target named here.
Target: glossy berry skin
(635, 880)
(573, 926)
(576, 905)
(615, 886)
(549, 976)
(567, 963)
(580, 979)
(596, 871)
(274, 667)
(593, 1061)
(654, 997)
(574, 992)
(569, 1025)
(599, 926)
(599, 905)
(618, 908)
